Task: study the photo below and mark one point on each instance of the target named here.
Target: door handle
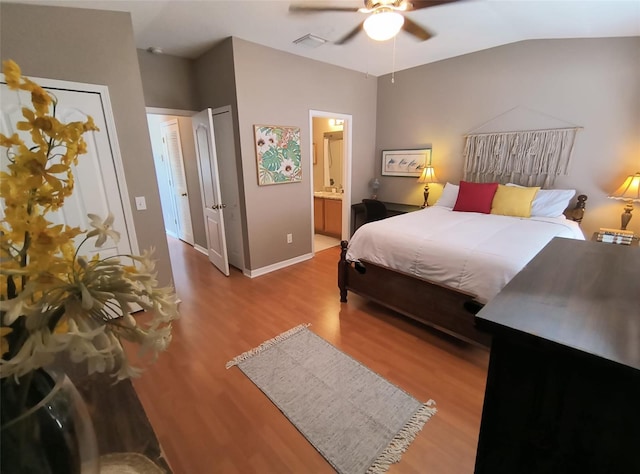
(183, 194)
(218, 206)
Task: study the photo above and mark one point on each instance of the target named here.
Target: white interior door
(163, 176)
(210, 185)
(99, 183)
(226, 155)
(178, 182)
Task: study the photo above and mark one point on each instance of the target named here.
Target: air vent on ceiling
(310, 41)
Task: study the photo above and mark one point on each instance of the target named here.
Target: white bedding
(467, 251)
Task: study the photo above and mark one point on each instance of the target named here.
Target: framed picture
(278, 154)
(405, 162)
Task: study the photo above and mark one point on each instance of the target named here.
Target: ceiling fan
(385, 19)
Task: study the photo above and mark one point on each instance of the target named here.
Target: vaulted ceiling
(188, 28)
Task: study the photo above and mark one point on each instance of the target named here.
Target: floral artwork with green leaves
(278, 153)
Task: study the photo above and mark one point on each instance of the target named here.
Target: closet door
(99, 181)
(173, 150)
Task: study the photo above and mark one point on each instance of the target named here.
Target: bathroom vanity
(327, 213)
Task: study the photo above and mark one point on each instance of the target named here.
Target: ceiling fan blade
(319, 8)
(416, 30)
(350, 35)
(419, 4)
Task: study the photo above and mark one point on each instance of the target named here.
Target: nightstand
(634, 243)
(393, 209)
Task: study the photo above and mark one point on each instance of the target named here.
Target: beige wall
(278, 88)
(168, 81)
(592, 83)
(95, 47)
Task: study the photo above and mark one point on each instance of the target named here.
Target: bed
(440, 265)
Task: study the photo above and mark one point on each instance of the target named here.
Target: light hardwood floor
(212, 420)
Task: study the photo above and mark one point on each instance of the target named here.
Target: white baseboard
(277, 266)
(201, 249)
(171, 234)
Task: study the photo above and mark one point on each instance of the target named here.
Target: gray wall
(168, 81)
(95, 47)
(216, 87)
(592, 83)
(278, 88)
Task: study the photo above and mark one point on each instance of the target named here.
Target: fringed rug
(357, 420)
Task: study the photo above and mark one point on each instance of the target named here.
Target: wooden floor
(212, 420)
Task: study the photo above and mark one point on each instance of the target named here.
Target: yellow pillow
(513, 201)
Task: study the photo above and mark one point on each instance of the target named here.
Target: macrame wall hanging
(527, 157)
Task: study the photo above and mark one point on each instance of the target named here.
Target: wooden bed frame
(431, 303)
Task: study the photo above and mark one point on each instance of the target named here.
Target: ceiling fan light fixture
(383, 25)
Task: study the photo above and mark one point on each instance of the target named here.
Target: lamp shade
(428, 175)
(629, 190)
(383, 25)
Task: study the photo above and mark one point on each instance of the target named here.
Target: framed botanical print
(278, 154)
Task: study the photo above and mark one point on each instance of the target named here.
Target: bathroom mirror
(333, 151)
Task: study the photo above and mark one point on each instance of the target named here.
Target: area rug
(357, 420)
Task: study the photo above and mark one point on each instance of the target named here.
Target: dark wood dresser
(119, 419)
(563, 388)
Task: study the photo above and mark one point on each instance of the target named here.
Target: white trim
(222, 110)
(163, 111)
(103, 91)
(347, 165)
(171, 234)
(277, 266)
(219, 111)
(201, 249)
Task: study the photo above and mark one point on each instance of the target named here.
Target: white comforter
(475, 253)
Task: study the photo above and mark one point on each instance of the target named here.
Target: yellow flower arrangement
(52, 299)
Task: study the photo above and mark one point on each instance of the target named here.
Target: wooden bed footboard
(445, 309)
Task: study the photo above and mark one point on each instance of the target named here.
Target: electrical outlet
(289, 238)
(141, 203)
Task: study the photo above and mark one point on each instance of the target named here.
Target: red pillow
(475, 197)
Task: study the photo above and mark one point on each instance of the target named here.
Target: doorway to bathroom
(331, 169)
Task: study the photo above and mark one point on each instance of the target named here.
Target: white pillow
(550, 202)
(449, 196)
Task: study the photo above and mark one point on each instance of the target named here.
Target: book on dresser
(615, 236)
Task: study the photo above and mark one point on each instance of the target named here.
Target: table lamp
(629, 191)
(428, 176)
(375, 185)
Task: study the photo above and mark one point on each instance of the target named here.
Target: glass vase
(46, 427)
